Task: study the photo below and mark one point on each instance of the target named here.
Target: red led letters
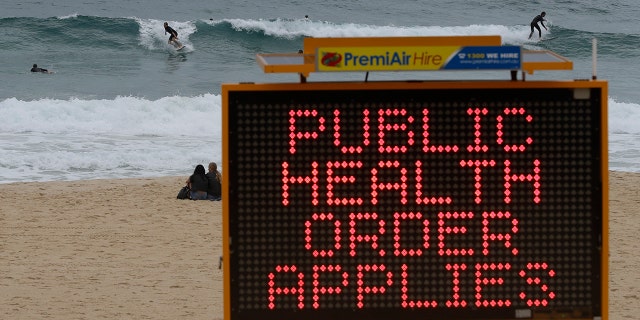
(436, 228)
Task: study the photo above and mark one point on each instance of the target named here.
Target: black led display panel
(425, 203)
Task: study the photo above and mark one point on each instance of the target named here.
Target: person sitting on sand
(198, 183)
(215, 179)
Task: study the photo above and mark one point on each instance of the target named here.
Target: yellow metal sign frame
(576, 85)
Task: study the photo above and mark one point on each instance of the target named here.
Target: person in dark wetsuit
(36, 69)
(173, 34)
(534, 24)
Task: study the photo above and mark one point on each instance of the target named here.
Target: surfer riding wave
(173, 38)
(534, 24)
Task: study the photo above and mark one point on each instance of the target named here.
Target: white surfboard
(176, 44)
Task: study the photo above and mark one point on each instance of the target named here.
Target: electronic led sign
(414, 201)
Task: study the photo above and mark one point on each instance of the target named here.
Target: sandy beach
(128, 249)
(108, 249)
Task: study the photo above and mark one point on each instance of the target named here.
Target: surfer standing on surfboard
(534, 24)
(173, 35)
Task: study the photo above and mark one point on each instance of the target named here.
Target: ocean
(122, 104)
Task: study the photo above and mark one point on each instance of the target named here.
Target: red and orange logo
(331, 59)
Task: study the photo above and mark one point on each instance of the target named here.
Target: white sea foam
(125, 137)
(624, 136)
(134, 137)
(69, 16)
(287, 28)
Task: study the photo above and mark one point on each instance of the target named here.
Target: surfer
(173, 35)
(534, 24)
(36, 69)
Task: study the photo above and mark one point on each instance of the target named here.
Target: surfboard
(45, 72)
(177, 44)
(545, 39)
(180, 48)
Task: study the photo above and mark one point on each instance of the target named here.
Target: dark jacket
(214, 189)
(199, 183)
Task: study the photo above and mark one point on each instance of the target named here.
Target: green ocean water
(102, 49)
(123, 103)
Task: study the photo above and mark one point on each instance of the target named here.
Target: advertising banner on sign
(417, 58)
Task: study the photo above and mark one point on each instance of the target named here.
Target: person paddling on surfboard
(36, 69)
(534, 24)
(173, 35)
